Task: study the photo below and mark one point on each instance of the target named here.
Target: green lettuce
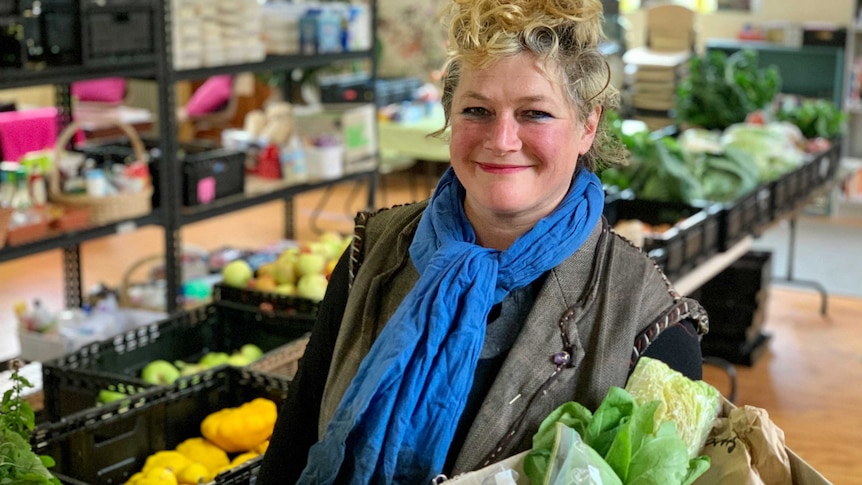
(624, 435)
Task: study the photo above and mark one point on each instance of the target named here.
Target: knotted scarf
(396, 420)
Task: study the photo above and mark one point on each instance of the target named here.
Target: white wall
(725, 25)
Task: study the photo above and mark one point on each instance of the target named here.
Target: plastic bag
(576, 463)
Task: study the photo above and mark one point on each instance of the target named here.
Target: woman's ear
(589, 129)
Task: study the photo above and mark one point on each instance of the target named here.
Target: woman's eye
(475, 112)
(536, 115)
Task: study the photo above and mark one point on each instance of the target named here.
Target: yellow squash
(241, 428)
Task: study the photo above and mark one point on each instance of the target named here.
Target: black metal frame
(171, 215)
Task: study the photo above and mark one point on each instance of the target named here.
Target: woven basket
(283, 361)
(146, 271)
(110, 208)
(124, 299)
(5, 219)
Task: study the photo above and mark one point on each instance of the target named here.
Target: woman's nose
(503, 136)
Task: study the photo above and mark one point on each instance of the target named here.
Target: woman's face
(515, 139)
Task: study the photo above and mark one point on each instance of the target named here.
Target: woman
(455, 326)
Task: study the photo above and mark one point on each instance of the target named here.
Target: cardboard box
(352, 124)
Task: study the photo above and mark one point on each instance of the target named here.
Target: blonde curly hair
(564, 33)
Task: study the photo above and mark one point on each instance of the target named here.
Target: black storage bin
(826, 163)
(221, 170)
(735, 351)
(395, 90)
(692, 237)
(786, 192)
(212, 175)
(8, 7)
(106, 446)
(736, 300)
(53, 30)
(13, 52)
(117, 31)
(747, 215)
(267, 302)
(352, 88)
(72, 382)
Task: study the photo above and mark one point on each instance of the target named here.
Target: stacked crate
(736, 301)
(651, 83)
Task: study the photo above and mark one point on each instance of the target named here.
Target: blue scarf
(397, 418)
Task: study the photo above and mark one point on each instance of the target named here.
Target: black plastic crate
(266, 302)
(733, 220)
(747, 215)
(825, 164)
(106, 446)
(742, 352)
(742, 280)
(117, 31)
(74, 380)
(787, 191)
(692, 235)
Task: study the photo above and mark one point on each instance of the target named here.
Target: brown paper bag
(746, 448)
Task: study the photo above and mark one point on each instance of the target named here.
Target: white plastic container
(324, 162)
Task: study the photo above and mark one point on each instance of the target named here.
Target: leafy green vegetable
(771, 147)
(721, 90)
(692, 405)
(624, 434)
(18, 463)
(814, 117)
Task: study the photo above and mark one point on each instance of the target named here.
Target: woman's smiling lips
(501, 169)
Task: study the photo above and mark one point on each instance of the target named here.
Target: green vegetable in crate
(723, 175)
(659, 172)
(241, 428)
(18, 462)
(721, 90)
(106, 396)
(814, 117)
(773, 148)
(160, 372)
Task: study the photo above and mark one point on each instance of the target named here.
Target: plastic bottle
(38, 187)
(7, 186)
(292, 158)
(21, 198)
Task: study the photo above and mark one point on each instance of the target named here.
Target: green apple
(312, 286)
(333, 243)
(105, 396)
(284, 270)
(287, 289)
(309, 263)
(252, 351)
(212, 359)
(237, 273)
(238, 360)
(190, 369)
(160, 372)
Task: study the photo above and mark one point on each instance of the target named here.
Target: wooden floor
(808, 379)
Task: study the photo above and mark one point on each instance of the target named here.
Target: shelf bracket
(72, 276)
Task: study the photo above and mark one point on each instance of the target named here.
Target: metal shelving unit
(171, 215)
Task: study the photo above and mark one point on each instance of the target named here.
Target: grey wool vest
(594, 315)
